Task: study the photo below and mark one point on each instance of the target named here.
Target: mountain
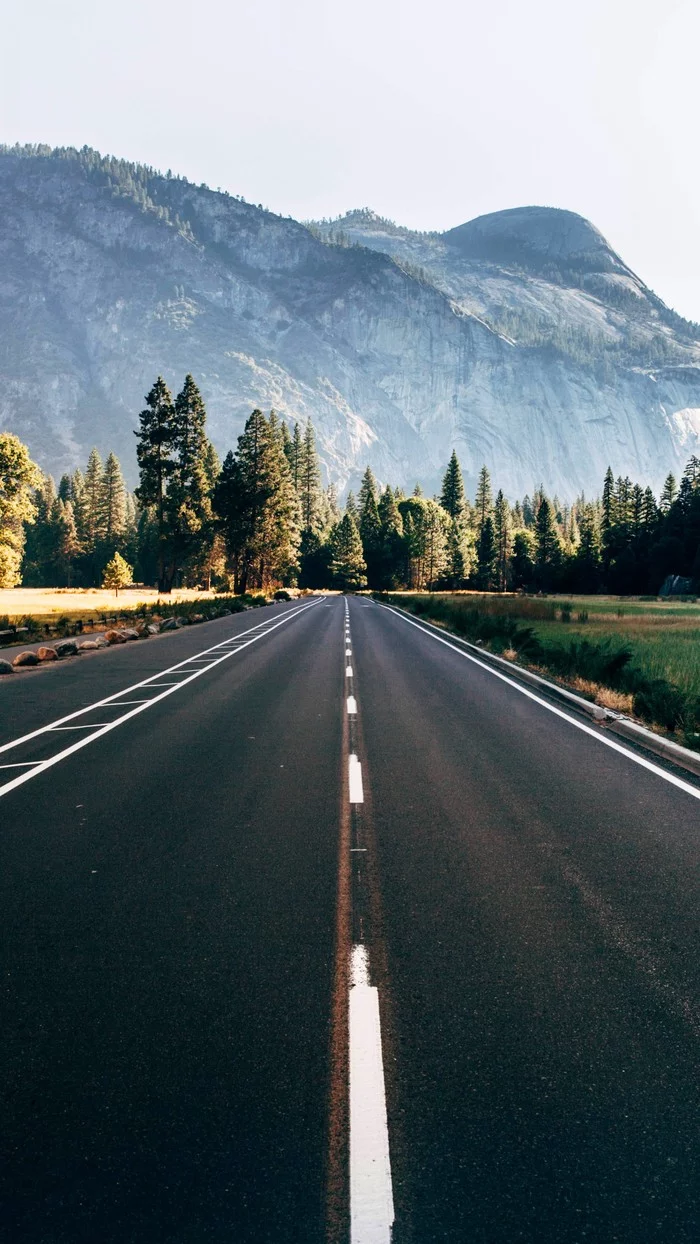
(520, 338)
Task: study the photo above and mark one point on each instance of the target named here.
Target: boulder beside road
(115, 637)
(25, 658)
(67, 648)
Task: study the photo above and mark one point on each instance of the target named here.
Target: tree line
(262, 519)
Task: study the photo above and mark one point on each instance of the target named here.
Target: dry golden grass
(48, 603)
(618, 701)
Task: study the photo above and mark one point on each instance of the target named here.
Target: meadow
(45, 605)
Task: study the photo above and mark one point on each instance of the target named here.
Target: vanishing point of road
(316, 930)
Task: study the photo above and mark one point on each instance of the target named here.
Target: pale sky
(430, 112)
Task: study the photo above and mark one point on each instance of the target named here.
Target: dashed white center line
(371, 1193)
(348, 671)
(352, 705)
(355, 780)
(348, 652)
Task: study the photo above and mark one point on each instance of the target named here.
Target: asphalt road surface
(315, 930)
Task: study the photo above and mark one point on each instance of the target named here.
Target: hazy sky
(429, 112)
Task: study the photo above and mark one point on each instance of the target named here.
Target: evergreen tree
(231, 509)
(68, 546)
(187, 510)
(258, 508)
(77, 496)
(608, 519)
(426, 529)
(211, 463)
(484, 499)
(117, 574)
(523, 560)
(347, 564)
(156, 439)
(391, 536)
(351, 508)
(587, 561)
(112, 501)
(65, 488)
(452, 496)
(93, 528)
(370, 528)
(487, 557)
(548, 547)
(504, 541)
(458, 564)
(295, 457)
(309, 486)
(287, 444)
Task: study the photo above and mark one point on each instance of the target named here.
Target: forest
(262, 519)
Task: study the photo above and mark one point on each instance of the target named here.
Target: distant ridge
(520, 338)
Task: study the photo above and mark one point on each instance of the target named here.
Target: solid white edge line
(76, 747)
(551, 708)
(371, 1192)
(355, 789)
(146, 683)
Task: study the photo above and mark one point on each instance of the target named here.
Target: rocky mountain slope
(520, 339)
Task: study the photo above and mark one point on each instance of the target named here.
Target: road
(329, 927)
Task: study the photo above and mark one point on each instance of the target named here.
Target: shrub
(663, 704)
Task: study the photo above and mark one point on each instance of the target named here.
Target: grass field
(581, 635)
(47, 604)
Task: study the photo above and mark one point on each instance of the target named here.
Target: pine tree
(452, 496)
(93, 529)
(112, 502)
(484, 500)
(211, 463)
(426, 529)
(457, 568)
(156, 439)
(65, 488)
(230, 507)
(351, 507)
(587, 561)
(309, 485)
(295, 457)
(258, 507)
(370, 527)
(523, 560)
(504, 541)
(77, 496)
(281, 530)
(68, 546)
(117, 574)
(548, 547)
(187, 510)
(347, 564)
(287, 443)
(391, 537)
(608, 519)
(487, 557)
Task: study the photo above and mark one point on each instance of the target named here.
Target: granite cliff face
(520, 339)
